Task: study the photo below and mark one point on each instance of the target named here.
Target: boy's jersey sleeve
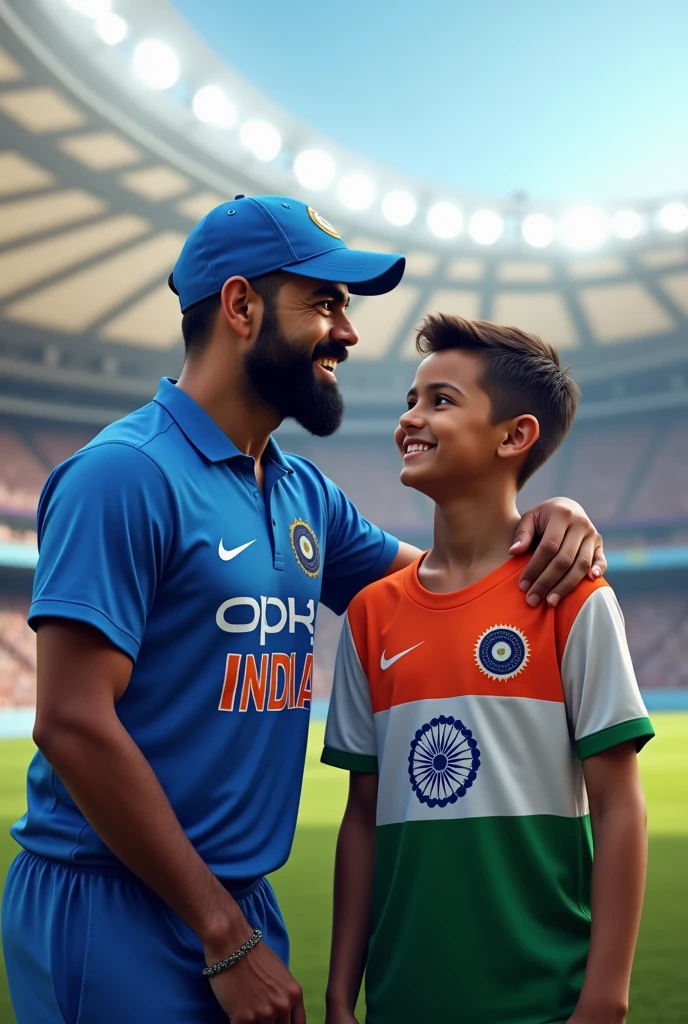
(350, 738)
(603, 701)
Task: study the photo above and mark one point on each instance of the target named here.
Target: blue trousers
(95, 946)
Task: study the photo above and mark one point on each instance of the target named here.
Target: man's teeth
(328, 364)
(418, 447)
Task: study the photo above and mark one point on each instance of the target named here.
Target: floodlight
(356, 191)
(538, 230)
(584, 227)
(156, 63)
(314, 169)
(674, 217)
(445, 220)
(485, 227)
(211, 106)
(399, 207)
(261, 139)
(111, 28)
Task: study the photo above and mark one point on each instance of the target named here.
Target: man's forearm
(118, 793)
(618, 885)
(353, 890)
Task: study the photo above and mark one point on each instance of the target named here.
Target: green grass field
(660, 981)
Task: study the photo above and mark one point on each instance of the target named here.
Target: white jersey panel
(476, 757)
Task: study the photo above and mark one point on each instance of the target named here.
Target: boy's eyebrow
(440, 385)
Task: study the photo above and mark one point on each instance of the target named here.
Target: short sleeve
(603, 700)
(105, 522)
(357, 553)
(350, 738)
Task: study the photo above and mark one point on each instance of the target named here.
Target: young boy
(488, 741)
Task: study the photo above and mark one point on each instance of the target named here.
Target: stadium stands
(21, 474)
(622, 474)
(17, 654)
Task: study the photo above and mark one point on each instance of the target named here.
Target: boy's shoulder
(380, 594)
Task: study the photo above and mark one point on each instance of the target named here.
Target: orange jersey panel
(484, 640)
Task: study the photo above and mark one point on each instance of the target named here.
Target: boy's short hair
(520, 374)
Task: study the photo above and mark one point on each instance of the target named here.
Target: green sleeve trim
(638, 729)
(366, 763)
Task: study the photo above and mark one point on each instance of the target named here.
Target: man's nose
(344, 331)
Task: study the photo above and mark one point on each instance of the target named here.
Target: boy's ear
(522, 433)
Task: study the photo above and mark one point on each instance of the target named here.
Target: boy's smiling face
(447, 435)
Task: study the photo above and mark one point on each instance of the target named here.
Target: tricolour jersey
(476, 711)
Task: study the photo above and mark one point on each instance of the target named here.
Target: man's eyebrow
(332, 292)
(439, 385)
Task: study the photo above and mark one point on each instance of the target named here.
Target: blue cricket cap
(250, 237)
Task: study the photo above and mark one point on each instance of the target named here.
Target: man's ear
(242, 308)
(522, 433)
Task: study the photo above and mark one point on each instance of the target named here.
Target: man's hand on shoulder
(570, 549)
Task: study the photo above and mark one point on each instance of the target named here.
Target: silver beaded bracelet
(222, 965)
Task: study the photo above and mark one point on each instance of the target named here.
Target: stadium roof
(102, 177)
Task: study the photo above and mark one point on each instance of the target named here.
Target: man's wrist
(224, 933)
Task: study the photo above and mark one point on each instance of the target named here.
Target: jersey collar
(203, 432)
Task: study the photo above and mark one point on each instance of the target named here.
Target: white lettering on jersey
(284, 616)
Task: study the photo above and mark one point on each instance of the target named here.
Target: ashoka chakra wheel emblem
(443, 761)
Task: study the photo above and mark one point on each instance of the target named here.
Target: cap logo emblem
(323, 224)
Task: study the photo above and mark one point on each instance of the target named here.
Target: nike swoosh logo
(386, 662)
(227, 556)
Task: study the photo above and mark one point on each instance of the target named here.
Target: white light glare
(626, 224)
(356, 191)
(445, 220)
(674, 217)
(399, 207)
(538, 230)
(584, 227)
(90, 8)
(314, 169)
(485, 227)
(261, 139)
(156, 63)
(211, 106)
(111, 28)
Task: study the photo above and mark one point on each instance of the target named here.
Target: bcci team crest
(443, 762)
(502, 652)
(323, 224)
(305, 546)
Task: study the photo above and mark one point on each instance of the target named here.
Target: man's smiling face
(304, 335)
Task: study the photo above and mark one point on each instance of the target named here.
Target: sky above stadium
(583, 99)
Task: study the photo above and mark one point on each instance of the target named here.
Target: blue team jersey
(157, 534)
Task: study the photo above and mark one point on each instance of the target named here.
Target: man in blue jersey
(182, 559)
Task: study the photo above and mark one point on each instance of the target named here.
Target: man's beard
(285, 379)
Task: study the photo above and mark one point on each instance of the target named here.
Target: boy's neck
(472, 537)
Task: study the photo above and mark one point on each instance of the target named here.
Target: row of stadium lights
(583, 228)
